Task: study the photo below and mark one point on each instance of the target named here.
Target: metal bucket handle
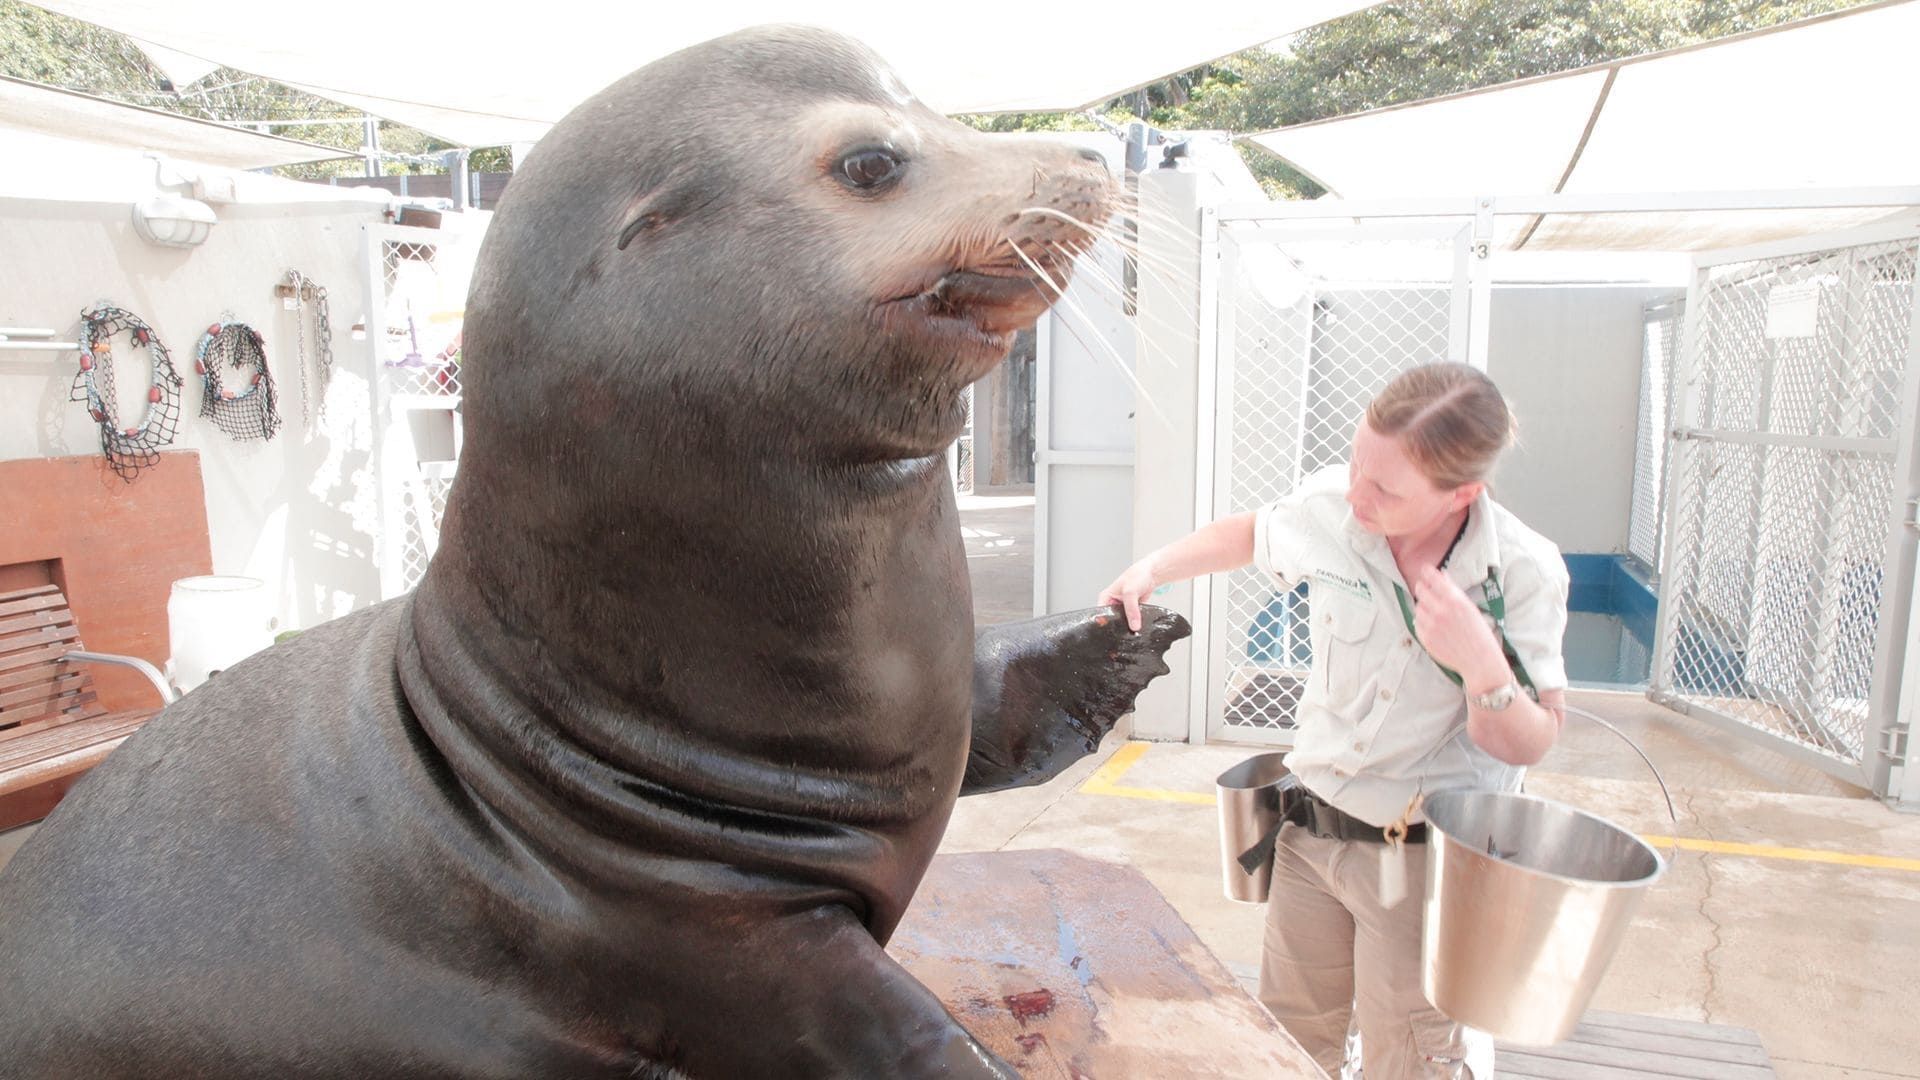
(1414, 804)
(1657, 778)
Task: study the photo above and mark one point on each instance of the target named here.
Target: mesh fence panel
(423, 507)
(1306, 359)
(963, 450)
(1780, 538)
(419, 354)
(420, 350)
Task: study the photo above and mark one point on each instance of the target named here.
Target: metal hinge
(1913, 514)
(1894, 741)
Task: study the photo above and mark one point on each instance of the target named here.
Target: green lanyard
(1496, 607)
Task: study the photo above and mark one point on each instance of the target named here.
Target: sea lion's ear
(656, 208)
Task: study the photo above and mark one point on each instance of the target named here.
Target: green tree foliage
(54, 49)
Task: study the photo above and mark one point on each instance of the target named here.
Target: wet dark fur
(647, 769)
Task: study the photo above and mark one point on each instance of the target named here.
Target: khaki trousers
(1333, 953)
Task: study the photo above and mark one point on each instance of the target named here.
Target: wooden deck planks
(1623, 1046)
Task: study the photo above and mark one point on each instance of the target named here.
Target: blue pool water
(1601, 650)
(1610, 615)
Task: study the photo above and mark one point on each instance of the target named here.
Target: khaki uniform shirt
(1378, 719)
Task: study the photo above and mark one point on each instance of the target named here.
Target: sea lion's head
(765, 232)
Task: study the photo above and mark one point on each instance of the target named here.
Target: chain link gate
(960, 456)
(1787, 573)
(1312, 324)
(417, 285)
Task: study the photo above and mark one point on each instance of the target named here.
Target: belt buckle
(1318, 820)
(1314, 823)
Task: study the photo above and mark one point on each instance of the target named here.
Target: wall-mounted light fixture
(172, 220)
(168, 218)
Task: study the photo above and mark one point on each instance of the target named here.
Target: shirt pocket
(1342, 627)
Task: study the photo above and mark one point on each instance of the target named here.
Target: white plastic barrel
(214, 622)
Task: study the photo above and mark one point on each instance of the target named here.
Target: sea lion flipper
(825, 999)
(1046, 690)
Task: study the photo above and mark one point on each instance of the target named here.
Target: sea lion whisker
(1101, 346)
(1149, 348)
(1153, 257)
(1177, 234)
(1059, 286)
(1100, 275)
(1129, 240)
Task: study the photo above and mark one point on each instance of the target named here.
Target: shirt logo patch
(1352, 586)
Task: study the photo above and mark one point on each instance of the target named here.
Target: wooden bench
(53, 727)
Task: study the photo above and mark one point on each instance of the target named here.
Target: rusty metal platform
(1069, 968)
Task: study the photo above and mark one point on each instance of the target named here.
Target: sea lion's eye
(869, 167)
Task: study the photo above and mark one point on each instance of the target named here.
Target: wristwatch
(1495, 699)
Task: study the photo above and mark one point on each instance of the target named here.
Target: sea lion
(642, 775)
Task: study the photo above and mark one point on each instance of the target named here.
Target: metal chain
(304, 290)
(323, 343)
(300, 347)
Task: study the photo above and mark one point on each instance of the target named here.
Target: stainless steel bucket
(1249, 801)
(1527, 900)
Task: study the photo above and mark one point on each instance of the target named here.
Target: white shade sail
(52, 169)
(486, 75)
(1825, 103)
(33, 109)
(1517, 139)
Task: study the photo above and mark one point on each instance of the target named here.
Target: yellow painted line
(1117, 765)
(1769, 851)
(1106, 781)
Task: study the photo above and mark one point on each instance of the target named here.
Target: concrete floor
(1792, 904)
(998, 529)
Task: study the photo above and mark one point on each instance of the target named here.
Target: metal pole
(1460, 310)
(460, 176)
(37, 340)
(1680, 455)
(370, 146)
(1206, 404)
(390, 542)
(1042, 457)
(1895, 703)
(1480, 275)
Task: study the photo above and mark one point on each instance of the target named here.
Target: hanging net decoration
(129, 447)
(231, 361)
(297, 293)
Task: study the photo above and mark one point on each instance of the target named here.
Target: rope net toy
(129, 448)
(231, 361)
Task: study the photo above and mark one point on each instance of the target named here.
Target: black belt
(1320, 818)
(1323, 819)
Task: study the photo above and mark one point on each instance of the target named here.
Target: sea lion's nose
(1088, 153)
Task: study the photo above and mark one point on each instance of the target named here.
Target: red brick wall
(115, 548)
